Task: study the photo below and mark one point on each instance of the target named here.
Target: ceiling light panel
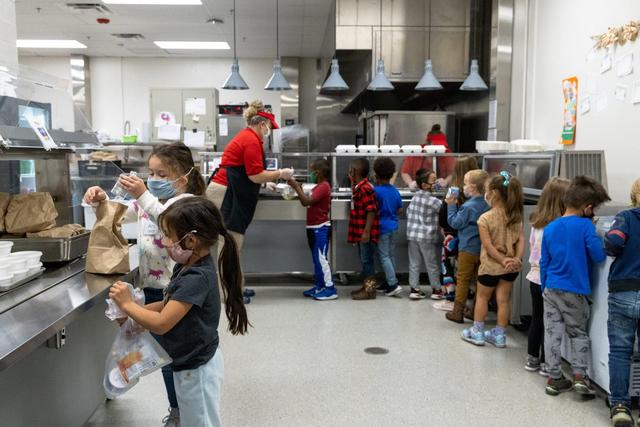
(49, 44)
(156, 2)
(182, 45)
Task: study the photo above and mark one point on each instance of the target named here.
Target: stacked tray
(53, 249)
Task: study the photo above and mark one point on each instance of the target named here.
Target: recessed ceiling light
(156, 2)
(50, 44)
(174, 45)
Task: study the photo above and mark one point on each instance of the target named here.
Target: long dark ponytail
(200, 215)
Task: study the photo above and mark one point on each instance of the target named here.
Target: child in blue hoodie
(622, 241)
(570, 245)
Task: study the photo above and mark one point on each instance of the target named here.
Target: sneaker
(543, 370)
(444, 305)
(249, 293)
(312, 291)
(326, 294)
(173, 419)
(557, 386)
(393, 291)
(383, 287)
(416, 293)
(582, 385)
(473, 336)
(621, 416)
(533, 364)
(499, 341)
(437, 294)
(246, 300)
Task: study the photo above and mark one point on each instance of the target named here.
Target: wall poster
(570, 104)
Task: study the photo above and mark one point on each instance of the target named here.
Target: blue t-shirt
(569, 247)
(389, 202)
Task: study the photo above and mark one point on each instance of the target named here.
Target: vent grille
(575, 163)
(128, 36)
(89, 7)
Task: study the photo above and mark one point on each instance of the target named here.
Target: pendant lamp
(235, 80)
(428, 81)
(380, 81)
(335, 82)
(474, 81)
(277, 80)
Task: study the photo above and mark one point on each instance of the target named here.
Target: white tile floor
(303, 364)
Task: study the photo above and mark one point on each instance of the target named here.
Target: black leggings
(536, 330)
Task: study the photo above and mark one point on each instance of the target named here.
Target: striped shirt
(422, 218)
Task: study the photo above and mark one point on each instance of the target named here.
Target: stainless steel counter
(34, 312)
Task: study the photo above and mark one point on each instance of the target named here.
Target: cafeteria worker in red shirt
(235, 185)
(411, 165)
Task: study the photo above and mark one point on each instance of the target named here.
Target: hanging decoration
(618, 35)
(570, 108)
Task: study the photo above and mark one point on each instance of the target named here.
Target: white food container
(32, 257)
(34, 269)
(433, 149)
(492, 147)
(346, 149)
(389, 148)
(4, 268)
(368, 149)
(17, 264)
(20, 274)
(412, 148)
(5, 248)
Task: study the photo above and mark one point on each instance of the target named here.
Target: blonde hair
(551, 203)
(251, 113)
(477, 177)
(635, 194)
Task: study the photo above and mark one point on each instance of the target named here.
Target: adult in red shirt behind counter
(411, 165)
(235, 185)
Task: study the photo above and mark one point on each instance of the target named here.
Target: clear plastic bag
(113, 312)
(134, 354)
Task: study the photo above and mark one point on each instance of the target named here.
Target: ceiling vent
(98, 8)
(128, 36)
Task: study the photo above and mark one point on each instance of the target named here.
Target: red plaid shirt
(363, 201)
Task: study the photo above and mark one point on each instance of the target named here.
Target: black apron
(240, 199)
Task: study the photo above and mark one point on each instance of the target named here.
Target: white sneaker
(443, 305)
(173, 419)
(392, 292)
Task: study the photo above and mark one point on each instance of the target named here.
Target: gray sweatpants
(431, 254)
(566, 312)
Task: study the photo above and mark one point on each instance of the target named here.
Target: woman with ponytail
(188, 317)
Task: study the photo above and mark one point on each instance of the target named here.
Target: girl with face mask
(172, 176)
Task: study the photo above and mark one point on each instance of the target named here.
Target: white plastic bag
(113, 312)
(134, 353)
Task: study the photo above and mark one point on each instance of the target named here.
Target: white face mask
(487, 200)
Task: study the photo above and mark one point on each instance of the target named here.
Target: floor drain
(376, 350)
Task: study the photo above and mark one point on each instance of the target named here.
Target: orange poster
(570, 95)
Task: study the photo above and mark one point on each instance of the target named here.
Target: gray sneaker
(173, 419)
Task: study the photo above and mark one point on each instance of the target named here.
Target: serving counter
(54, 339)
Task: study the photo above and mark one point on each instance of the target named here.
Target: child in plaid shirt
(363, 225)
(424, 236)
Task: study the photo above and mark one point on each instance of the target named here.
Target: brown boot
(456, 315)
(368, 290)
(469, 312)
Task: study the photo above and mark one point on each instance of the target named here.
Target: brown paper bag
(108, 251)
(30, 213)
(5, 198)
(64, 232)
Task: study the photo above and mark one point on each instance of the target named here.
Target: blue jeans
(367, 252)
(387, 254)
(624, 314)
(199, 393)
(155, 295)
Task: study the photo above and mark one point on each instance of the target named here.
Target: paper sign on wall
(224, 126)
(570, 96)
(635, 94)
(165, 118)
(607, 62)
(602, 103)
(194, 139)
(169, 132)
(624, 65)
(621, 92)
(42, 133)
(585, 104)
(195, 106)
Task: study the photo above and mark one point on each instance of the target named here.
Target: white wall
(121, 86)
(559, 41)
(8, 51)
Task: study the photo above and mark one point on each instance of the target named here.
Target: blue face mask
(161, 188)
